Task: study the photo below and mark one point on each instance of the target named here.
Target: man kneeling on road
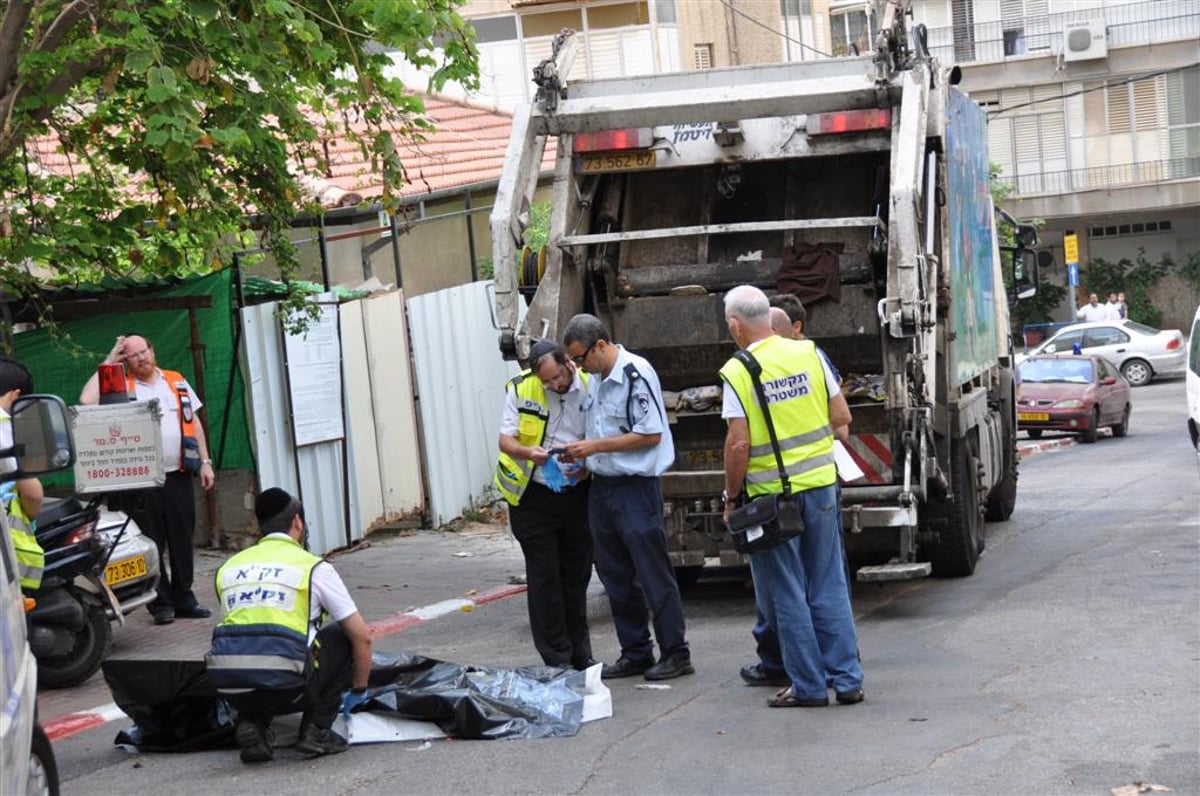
(273, 654)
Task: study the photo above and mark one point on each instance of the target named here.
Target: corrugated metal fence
(374, 473)
(460, 378)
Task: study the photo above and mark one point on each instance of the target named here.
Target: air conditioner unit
(1085, 40)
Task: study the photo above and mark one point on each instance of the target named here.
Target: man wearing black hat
(291, 638)
(544, 411)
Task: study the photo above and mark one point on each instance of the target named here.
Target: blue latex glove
(352, 699)
(553, 474)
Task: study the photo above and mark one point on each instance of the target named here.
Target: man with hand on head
(291, 638)
(544, 411)
(166, 514)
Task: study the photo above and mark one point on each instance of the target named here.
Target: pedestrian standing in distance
(800, 584)
(1122, 307)
(1093, 310)
(1112, 308)
(291, 639)
(544, 412)
(628, 447)
(166, 514)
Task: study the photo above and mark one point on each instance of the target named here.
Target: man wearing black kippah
(291, 638)
(543, 411)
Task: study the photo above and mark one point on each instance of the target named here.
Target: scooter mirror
(41, 436)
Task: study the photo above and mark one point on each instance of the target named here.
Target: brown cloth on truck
(811, 273)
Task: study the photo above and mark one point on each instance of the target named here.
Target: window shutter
(702, 56)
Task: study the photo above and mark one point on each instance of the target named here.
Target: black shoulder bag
(767, 520)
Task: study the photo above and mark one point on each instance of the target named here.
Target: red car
(1069, 392)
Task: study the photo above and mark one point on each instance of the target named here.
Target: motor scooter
(69, 630)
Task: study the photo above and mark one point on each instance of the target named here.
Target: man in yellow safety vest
(800, 583)
(291, 638)
(544, 412)
(22, 498)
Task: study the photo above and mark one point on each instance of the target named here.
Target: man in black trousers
(543, 412)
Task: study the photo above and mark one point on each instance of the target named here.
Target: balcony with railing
(1125, 25)
(1101, 177)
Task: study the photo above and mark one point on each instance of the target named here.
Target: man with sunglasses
(291, 638)
(544, 412)
(627, 448)
(166, 514)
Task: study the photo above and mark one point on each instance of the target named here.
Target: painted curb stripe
(75, 723)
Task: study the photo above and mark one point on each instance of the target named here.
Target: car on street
(1071, 392)
(1193, 383)
(133, 567)
(1139, 351)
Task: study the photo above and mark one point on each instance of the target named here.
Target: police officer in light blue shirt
(628, 446)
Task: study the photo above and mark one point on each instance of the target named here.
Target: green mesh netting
(61, 363)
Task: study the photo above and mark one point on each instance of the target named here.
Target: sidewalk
(389, 577)
(1028, 447)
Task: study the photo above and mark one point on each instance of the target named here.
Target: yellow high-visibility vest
(512, 475)
(265, 594)
(794, 381)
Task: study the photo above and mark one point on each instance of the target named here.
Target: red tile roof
(466, 147)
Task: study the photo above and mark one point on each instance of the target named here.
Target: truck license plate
(121, 571)
(1033, 416)
(617, 161)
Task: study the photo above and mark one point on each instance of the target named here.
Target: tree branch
(12, 31)
(68, 18)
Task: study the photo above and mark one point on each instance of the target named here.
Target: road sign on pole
(1073, 274)
(1071, 247)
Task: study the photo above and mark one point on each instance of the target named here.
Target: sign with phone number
(117, 447)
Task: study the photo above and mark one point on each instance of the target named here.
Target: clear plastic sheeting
(175, 708)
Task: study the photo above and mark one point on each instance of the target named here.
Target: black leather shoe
(196, 611)
(162, 617)
(757, 674)
(257, 744)
(315, 742)
(584, 664)
(670, 667)
(850, 697)
(625, 667)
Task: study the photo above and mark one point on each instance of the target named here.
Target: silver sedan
(1141, 352)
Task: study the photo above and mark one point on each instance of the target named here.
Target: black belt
(621, 480)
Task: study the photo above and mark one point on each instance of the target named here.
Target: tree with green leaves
(1049, 295)
(139, 137)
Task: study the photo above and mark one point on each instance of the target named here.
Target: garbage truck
(860, 184)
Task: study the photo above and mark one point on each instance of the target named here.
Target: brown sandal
(787, 699)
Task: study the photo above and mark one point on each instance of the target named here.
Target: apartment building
(1094, 104)
(1094, 119)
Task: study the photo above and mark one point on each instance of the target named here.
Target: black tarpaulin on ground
(175, 708)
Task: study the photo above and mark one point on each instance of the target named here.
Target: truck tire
(961, 527)
(1001, 502)
(1002, 498)
(83, 660)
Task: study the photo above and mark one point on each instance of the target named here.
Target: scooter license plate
(121, 571)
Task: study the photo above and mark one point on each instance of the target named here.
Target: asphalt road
(1069, 663)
